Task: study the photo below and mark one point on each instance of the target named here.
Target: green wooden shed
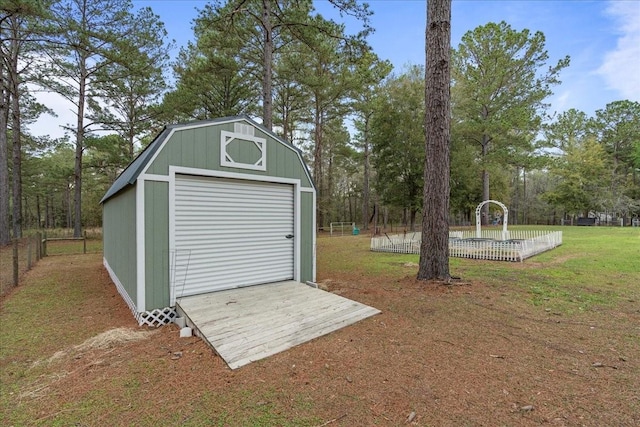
(208, 206)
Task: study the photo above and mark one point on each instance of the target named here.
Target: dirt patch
(110, 339)
(468, 354)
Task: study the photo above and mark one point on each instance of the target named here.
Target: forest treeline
(359, 122)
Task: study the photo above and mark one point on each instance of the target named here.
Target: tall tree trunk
(16, 139)
(434, 249)
(317, 165)
(516, 204)
(38, 212)
(285, 124)
(67, 202)
(267, 95)
(524, 197)
(485, 181)
(77, 170)
(26, 213)
(47, 218)
(5, 233)
(412, 219)
(131, 137)
(365, 178)
(329, 189)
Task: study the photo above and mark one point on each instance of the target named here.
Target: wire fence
(17, 258)
(22, 254)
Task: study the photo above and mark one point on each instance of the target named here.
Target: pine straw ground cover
(554, 340)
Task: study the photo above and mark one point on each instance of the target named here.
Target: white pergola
(505, 218)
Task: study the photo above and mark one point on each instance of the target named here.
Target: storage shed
(208, 206)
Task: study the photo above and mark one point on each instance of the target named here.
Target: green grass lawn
(594, 265)
(544, 307)
(69, 247)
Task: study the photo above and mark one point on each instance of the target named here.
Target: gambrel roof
(137, 166)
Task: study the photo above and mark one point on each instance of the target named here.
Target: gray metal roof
(135, 168)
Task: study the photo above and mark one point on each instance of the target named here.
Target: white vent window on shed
(243, 129)
(235, 144)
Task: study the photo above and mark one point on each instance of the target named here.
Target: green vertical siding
(244, 151)
(156, 229)
(307, 230)
(200, 148)
(119, 231)
(284, 161)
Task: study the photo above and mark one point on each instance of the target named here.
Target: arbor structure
(434, 248)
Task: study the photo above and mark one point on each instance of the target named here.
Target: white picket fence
(512, 245)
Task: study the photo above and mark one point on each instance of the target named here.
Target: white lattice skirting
(157, 317)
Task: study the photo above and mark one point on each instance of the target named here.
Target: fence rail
(512, 245)
(339, 228)
(18, 258)
(22, 254)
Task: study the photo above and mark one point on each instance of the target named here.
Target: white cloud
(621, 66)
(48, 125)
(561, 101)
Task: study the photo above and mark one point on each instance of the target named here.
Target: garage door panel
(204, 240)
(202, 274)
(246, 208)
(231, 233)
(205, 225)
(230, 229)
(202, 279)
(235, 257)
(201, 282)
(229, 236)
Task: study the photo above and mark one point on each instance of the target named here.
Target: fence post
(38, 246)
(84, 243)
(44, 245)
(15, 262)
(29, 253)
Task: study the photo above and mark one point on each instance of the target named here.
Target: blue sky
(601, 37)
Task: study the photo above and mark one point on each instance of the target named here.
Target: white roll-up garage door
(231, 233)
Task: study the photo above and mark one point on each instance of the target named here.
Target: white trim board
(140, 245)
(120, 288)
(235, 120)
(181, 170)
